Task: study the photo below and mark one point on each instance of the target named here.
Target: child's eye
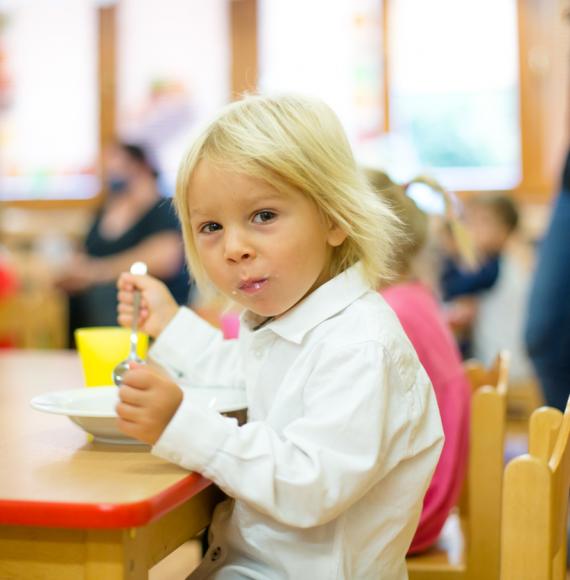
(264, 216)
(210, 228)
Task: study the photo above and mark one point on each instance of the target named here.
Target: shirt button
(216, 554)
(175, 457)
(258, 353)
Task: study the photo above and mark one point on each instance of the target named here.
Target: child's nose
(237, 248)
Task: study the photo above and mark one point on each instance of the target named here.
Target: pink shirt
(423, 322)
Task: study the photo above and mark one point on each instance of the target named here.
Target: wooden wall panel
(107, 74)
(544, 77)
(244, 46)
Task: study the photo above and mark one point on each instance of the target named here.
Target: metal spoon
(138, 269)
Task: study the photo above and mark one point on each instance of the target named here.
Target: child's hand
(148, 401)
(158, 307)
(461, 313)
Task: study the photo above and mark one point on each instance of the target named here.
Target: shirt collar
(326, 301)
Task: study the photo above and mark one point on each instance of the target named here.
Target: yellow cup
(101, 348)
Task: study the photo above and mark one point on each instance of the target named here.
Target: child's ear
(336, 235)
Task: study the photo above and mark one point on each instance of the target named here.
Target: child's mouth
(252, 286)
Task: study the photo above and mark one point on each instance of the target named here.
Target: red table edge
(101, 515)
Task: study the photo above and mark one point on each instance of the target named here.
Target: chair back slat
(480, 502)
(486, 462)
(479, 376)
(559, 464)
(525, 520)
(535, 502)
(543, 430)
(503, 368)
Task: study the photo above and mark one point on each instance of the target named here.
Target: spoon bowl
(120, 370)
(138, 269)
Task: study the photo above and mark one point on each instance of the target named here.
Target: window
(330, 50)
(48, 99)
(454, 89)
(173, 73)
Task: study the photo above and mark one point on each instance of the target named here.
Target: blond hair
(415, 223)
(295, 143)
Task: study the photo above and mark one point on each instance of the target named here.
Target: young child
(418, 310)
(328, 475)
(495, 311)
(491, 220)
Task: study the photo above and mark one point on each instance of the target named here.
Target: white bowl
(93, 408)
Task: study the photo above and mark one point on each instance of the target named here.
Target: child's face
(489, 232)
(264, 249)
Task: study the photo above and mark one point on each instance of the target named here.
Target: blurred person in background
(491, 219)
(486, 305)
(548, 319)
(134, 223)
(415, 303)
(498, 310)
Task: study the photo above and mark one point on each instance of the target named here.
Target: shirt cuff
(193, 437)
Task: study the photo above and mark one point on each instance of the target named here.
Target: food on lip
(252, 284)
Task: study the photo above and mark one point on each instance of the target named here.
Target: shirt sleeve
(363, 414)
(195, 352)
(457, 282)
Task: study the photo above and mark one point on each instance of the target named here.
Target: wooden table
(73, 509)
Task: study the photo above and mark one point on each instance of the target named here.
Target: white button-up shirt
(343, 435)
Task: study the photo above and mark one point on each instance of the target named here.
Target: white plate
(93, 408)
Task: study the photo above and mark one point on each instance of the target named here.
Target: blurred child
(327, 478)
(418, 310)
(493, 298)
(491, 219)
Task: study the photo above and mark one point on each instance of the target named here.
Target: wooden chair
(535, 501)
(469, 547)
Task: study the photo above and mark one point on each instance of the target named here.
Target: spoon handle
(134, 325)
(138, 268)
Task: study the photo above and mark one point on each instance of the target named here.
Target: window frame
(538, 140)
